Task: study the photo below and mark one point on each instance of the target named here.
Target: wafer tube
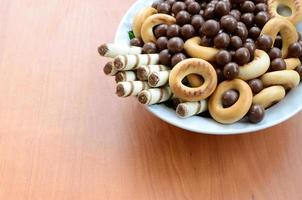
(130, 88)
(143, 72)
(129, 62)
(188, 109)
(158, 79)
(155, 95)
(112, 50)
(125, 76)
(292, 63)
(109, 69)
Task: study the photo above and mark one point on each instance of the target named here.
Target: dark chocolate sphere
(256, 114)
(229, 98)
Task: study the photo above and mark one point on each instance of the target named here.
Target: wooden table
(65, 135)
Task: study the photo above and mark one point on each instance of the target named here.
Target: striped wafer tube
(109, 69)
(155, 95)
(129, 62)
(158, 79)
(125, 76)
(143, 72)
(188, 109)
(130, 88)
(113, 50)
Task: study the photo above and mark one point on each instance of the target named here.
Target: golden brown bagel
(287, 78)
(140, 18)
(269, 96)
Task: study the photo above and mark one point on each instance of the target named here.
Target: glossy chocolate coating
(256, 114)
(231, 71)
(256, 85)
(229, 98)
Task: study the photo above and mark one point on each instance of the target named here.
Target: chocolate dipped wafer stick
(188, 109)
(129, 62)
(130, 88)
(125, 76)
(109, 69)
(112, 50)
(155, 95)
(143, 72)
(158, 79)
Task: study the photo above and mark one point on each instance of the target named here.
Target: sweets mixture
(227, 58)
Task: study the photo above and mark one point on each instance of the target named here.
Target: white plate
(282, 111)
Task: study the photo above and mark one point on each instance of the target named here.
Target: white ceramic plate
(282, 111)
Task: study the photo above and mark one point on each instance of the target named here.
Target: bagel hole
(284, 10)
(229, 98)
(196, 81)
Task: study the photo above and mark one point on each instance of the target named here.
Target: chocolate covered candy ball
(278, 64)
(264, 42)
(254, 32)
(241, 30)
(256, 114)
(223, 57)
(236, 42)
(178, 58)
(183, 17)
(236, 13)
(261, 7)
(228, 23)
(206, 41)
(209, 13)
(248, 19)
(175, 45)
(197, 22)
(187, 31)
(136, 42)
(242, 56)
(149, 48)
(164, 8)
(251, 47)
(261, 18)
(173, 30)
(295, 50)
(275, 53)
(278, 42)
(160, 30)
(165, 57)
(229, 98)
(178, 6)
(194, 8)
(248, 7)
(162, 43)
(256, 85)
(222, 41)
(222, 8)
(210, 28)
(231, 71)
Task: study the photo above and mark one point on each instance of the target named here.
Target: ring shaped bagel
(285, 28)
(195, 50)
(194, 80)
(294, 5)
(193, 66)
(152, 21)
(287, 78)
(238, 110)
(269, 96)
(256, 68)
(292, 63)
(140, 18)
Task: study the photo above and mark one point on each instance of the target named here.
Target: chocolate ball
(248, 19)
(236, 42)
(254, 32)
(220, 77)
(275, 53)
(256, 114)
(160, 30)
(242, 56)
(187, 2)
(206, 41)
(236, 13)
(222, 8)
(278, 42)
(209, 13)
(175, 45)
(295, 50)
(210, 28)
(173, 30)
(229, 98)
(170, 2)
(241, 30)
(164, 8)
(261, 7)
(178, 6)
(248, 7)
(222, 41)
(261, 18)
(223, 57)
(187, 31)
(149, 48)
(162, 43)
(136, 42)
(299, 70)
(228, 23)
(249, 40)
(278, 64)
(251, 47)
(194, 8)
(256, 85)
(156, 3)
(264, 42)
(231, 71)
(165, 57)
(183, 17)
(177, 58)
(197, 22)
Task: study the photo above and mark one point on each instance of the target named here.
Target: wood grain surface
(64, 135)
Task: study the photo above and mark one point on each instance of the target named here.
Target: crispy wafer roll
(125, 76)
(189, 109)
(109, 69)
(129, 62)
(143, 72)
(130, 88)
(157, 79)
(155, 95)
(112, 50)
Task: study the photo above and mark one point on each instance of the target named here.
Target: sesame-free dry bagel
(140, 18)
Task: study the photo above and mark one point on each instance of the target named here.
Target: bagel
(194, 80)
(238, 110)
(193, 66)
(287, 78)
(294, 5)
(285, 28)
(195, 50)
(292, 63)
(269, 96)
(256, 68)
(152, 21)
(140, 18)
